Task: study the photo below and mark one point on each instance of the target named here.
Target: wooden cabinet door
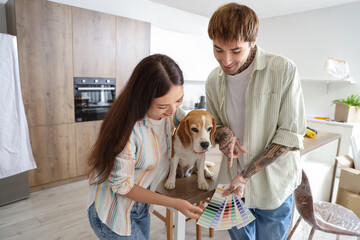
(93, 43)
(54, 152)
(86, 135)
(132, 45)
(45, 60)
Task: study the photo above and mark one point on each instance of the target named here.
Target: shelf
(351, 81)
(330, 81)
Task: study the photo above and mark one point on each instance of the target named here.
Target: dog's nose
(204, 145)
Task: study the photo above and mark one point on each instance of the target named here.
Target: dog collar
(199, 152)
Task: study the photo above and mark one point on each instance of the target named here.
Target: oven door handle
(95, 88)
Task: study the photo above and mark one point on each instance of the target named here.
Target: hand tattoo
(236, 184)
(225, 138)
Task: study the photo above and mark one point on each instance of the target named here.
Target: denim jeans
(140, 224)
(268, 225)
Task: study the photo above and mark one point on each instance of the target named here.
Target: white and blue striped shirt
(139, 163)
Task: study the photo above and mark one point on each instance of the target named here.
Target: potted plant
(347, 109)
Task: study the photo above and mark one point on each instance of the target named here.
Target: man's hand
(227, 142)
(271, 153)
(237, 185)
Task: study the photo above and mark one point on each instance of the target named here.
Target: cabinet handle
(95, 88)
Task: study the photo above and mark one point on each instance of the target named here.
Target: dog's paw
(170, 184)
(208, 173)
(203, 185)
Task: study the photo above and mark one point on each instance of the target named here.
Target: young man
(257, 101)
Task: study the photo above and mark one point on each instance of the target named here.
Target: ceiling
(263, 8)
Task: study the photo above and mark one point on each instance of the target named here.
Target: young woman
(131, 155)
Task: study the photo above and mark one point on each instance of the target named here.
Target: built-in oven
(93, 97)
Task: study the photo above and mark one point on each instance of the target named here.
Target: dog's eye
(209, 129)
(194, 130)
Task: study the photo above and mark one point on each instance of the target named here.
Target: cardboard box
(350, 180)
(345, 161)
(345, 114)
(349, 200)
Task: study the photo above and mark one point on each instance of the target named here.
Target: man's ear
(184, 133)
(253, 43)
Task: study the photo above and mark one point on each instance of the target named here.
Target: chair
(323, 216)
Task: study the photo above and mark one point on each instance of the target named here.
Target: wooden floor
(60, 213)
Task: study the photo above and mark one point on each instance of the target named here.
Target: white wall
(308, 39)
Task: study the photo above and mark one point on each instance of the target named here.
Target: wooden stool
(169, 222)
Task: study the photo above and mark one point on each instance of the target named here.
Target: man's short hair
(233, 22)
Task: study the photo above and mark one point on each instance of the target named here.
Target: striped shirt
(274, 113)
(139, 163)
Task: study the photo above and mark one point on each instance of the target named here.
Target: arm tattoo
(272, 152)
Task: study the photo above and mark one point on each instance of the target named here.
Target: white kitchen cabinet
(345, 129)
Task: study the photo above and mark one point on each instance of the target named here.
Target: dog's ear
(172, 146)
(212, 132)
(184, 134)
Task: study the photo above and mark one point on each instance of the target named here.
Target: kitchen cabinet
(318, 159)
(44, 36)
(56, 43)
(54, 152)
(93, 43)
(345, 129)
(86, 134)
(132, 45)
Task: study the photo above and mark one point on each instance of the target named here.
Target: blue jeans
(140, 224)
(268, 225)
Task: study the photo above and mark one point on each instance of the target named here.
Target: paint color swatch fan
(225, 212)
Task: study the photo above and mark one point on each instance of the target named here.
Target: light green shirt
(274, 113)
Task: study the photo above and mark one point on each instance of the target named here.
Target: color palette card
(225, 212)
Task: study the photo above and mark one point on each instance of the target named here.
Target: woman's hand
(237, 186)
(189, 210)
(227, 142)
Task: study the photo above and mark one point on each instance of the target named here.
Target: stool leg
(211, 232)
(198, 232)
(169, 224)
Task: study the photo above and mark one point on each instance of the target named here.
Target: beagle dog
(192, 138)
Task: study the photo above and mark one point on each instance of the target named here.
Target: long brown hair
(152, 78)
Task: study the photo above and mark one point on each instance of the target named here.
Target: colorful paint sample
(225, 212)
